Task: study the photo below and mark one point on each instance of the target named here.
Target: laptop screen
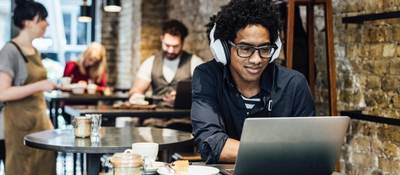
(290, 145)
(183, 99)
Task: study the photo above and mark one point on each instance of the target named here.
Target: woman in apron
(23, 80)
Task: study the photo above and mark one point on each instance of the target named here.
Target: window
(67, 27)
(5, 21)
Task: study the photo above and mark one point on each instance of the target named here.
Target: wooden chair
(327, 4)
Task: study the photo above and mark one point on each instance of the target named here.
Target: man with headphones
(243, 81)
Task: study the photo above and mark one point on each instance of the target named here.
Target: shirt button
(247, 113)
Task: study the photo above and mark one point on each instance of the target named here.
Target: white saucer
(156, 166)
(193, 170)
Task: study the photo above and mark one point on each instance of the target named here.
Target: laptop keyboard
(228, 171)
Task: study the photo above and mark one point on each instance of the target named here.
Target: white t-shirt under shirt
(169, 68)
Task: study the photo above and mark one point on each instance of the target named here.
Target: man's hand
(230, 151)
(169, 98)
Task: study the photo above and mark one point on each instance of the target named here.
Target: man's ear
(161, 37)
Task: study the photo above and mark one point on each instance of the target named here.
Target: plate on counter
(192, 170)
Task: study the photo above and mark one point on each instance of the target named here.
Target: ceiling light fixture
(85, 13)
(112, 5)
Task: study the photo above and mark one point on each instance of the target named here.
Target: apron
(25, 116)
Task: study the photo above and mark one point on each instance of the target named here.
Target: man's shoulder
(149, 60)
(211, 69)
(290, 73)
(211, 66)
(286, 75)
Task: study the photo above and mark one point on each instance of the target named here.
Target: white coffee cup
(66, 82)
(138, 99)
(146, 149)
(91, 88)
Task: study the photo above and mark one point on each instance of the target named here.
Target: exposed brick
(372, 5)
(390, 5)
(379, 34)
(396, 101)
(390, 83)
(390, 133)
(396, 33)
(376, 50)
(367, 159)
(389, 50)
(389, 166)
(394, 67)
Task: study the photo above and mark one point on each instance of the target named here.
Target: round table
(111, 140)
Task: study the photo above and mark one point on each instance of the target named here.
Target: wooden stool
(310, 32)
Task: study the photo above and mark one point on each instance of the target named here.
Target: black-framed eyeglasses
(246, 51)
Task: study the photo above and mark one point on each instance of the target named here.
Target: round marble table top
(111, 139)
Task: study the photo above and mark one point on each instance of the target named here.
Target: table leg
(93, 164)
(56, 106)
(51, 111)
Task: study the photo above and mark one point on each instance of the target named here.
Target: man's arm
(208, 127)
(143, 77)
(230, 151)
(303, 100)
(140, 86)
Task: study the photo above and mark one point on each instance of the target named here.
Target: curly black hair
(238, 14)
(175, 28)
(27, 10)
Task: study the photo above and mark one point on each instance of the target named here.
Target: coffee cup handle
(128, 151)
(74, 124)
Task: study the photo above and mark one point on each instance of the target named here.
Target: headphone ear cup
(218, 49)
(278, 43)
(227, 52)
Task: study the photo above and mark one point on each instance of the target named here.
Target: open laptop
(183, 99)
(289, 145)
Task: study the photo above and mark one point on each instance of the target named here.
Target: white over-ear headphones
(221, 53)
(219, 48)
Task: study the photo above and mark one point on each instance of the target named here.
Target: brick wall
(129, 42)
(153, 15)
(195, 14)
(368, 77)
(108, 34)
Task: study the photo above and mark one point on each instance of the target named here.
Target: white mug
(148, 151)
(66, 81)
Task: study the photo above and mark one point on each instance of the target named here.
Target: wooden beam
(290, 34)
(331, 58)
(311, 50)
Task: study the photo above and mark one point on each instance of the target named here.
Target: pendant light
(84, 12)
(112, 5)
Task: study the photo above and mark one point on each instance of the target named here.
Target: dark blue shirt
(218, 110)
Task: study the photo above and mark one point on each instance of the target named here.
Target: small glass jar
(126, 163)
(82, 126)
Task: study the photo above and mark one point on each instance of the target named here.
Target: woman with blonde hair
(91, 67)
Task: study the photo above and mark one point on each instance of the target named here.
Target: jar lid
(126, 159)
(83, 117)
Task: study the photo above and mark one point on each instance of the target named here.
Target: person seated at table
(242, 81)
(164, 69)
(23, 80)
(90, 68)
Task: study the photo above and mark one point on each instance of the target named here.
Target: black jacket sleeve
(208, 128)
